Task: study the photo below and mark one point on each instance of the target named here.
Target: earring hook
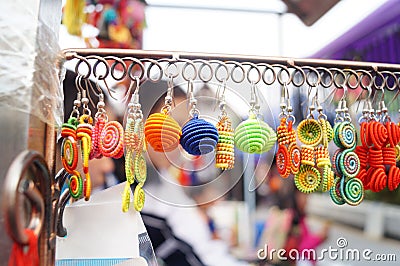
(192, 102)
(220, 96)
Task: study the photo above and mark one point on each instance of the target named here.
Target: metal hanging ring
(377, 86)
(220, 65)
(153, 63)
(268, 67)
(322, 71)
(236, 65)
(317, 77)
(282, 69)
(204, 64)
(351, 73)
(302, 74)
(80, 61)
(132, 65)
(187, 64)
(337, 73)
(390, 76)
(96, 64)
(167, 72)
(252, 67)
(117, 61)
(365, 74)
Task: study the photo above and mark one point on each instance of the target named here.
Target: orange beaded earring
(162, 132)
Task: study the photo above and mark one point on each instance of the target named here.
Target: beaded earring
(225, 150)
(69, 146)
(346, 163)
(100, 120)
(288, 154)
(161, 131)
(134, 143)
(310, 132)
(254, 135)
(198, 136)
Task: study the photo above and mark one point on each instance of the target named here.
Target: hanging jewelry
(198, 136)
(100, 120)
(288, 158)
(348, 188)
(84, 135)
(135, 164)
(254, 135)
(162, 132)
(310, 133)
(225, 150)
(69, 146)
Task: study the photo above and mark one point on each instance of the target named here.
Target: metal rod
(140, 54)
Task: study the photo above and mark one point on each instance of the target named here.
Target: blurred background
(332, 29)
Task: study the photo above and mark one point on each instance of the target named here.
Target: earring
(69, 146)
(161, 131)
(135, 164)
(198, 136)
(84, 134)
(288, 155)
(347, 187)
(254, 135)
(225, 150)
(310, 133)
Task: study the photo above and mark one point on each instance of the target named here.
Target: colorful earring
(225, 150)
(254, 135)
(198, 136)
(162, 132)
(348, 188)
(288, 158)
(135, 164)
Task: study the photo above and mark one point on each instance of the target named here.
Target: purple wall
(374, 39)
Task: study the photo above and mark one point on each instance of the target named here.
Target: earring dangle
(198, 136)
(84, 135)
(254, 135)
(135, 163)
(288, 153)
(225, 150)
(69, 147)
(161, 130)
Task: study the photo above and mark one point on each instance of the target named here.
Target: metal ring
(171, 75)
(308, 76)
(132, 65)
(350, 74)
(204, 63)
(233, 71)
(395, 80)
(252, 66)
(187, 64)
(279, 75)
(148, 72)
(335, 75)
(364, 74)
(327, 71)
(381, 87)
(268, 67)
(117, 61)
(303, 75)
(82, 60)
(220, 64)
(25, 164)
(98, 61)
